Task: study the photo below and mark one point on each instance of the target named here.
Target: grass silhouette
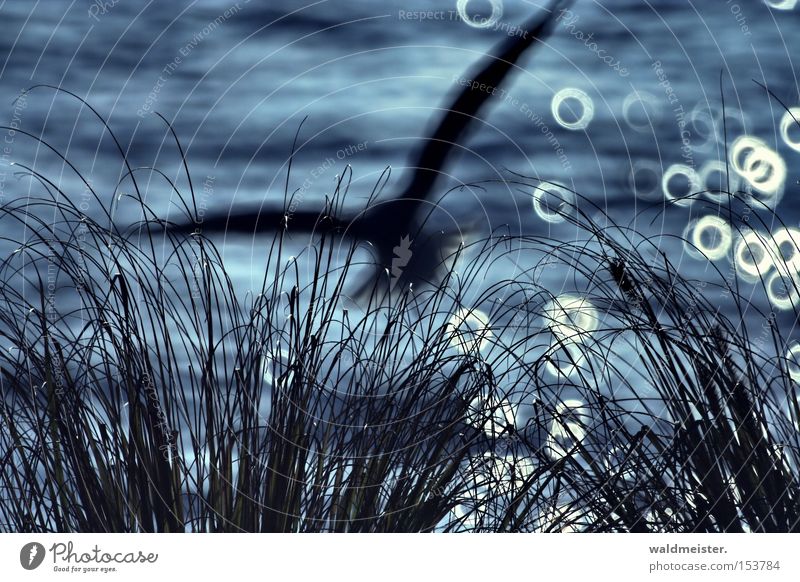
(141, 392)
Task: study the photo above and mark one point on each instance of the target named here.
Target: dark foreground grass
(141, 392)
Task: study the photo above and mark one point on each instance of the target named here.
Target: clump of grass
(142, 392)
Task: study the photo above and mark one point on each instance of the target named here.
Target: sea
(355, 85)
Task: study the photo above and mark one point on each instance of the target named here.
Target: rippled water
(236, 80)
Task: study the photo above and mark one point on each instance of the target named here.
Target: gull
(394, 228)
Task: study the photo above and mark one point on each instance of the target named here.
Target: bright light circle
(782, 290)
(645, 99)
(787, 123)
(781, 4)
(587, 108)
(680, 170)
(752, 256)
(720, 233)
(761, 166)
(789, 239)
(571, 317)
(712, 167)
(543, 208)
(497, 14)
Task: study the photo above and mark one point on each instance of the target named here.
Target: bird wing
(468, 101)
(262, 220)
(430, 160)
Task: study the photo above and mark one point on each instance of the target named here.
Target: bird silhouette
(406, 255)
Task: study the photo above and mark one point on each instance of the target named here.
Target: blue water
(237, 84)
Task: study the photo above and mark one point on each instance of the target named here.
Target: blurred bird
(406, 254)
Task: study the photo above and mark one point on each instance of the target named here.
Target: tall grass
(142, 392)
